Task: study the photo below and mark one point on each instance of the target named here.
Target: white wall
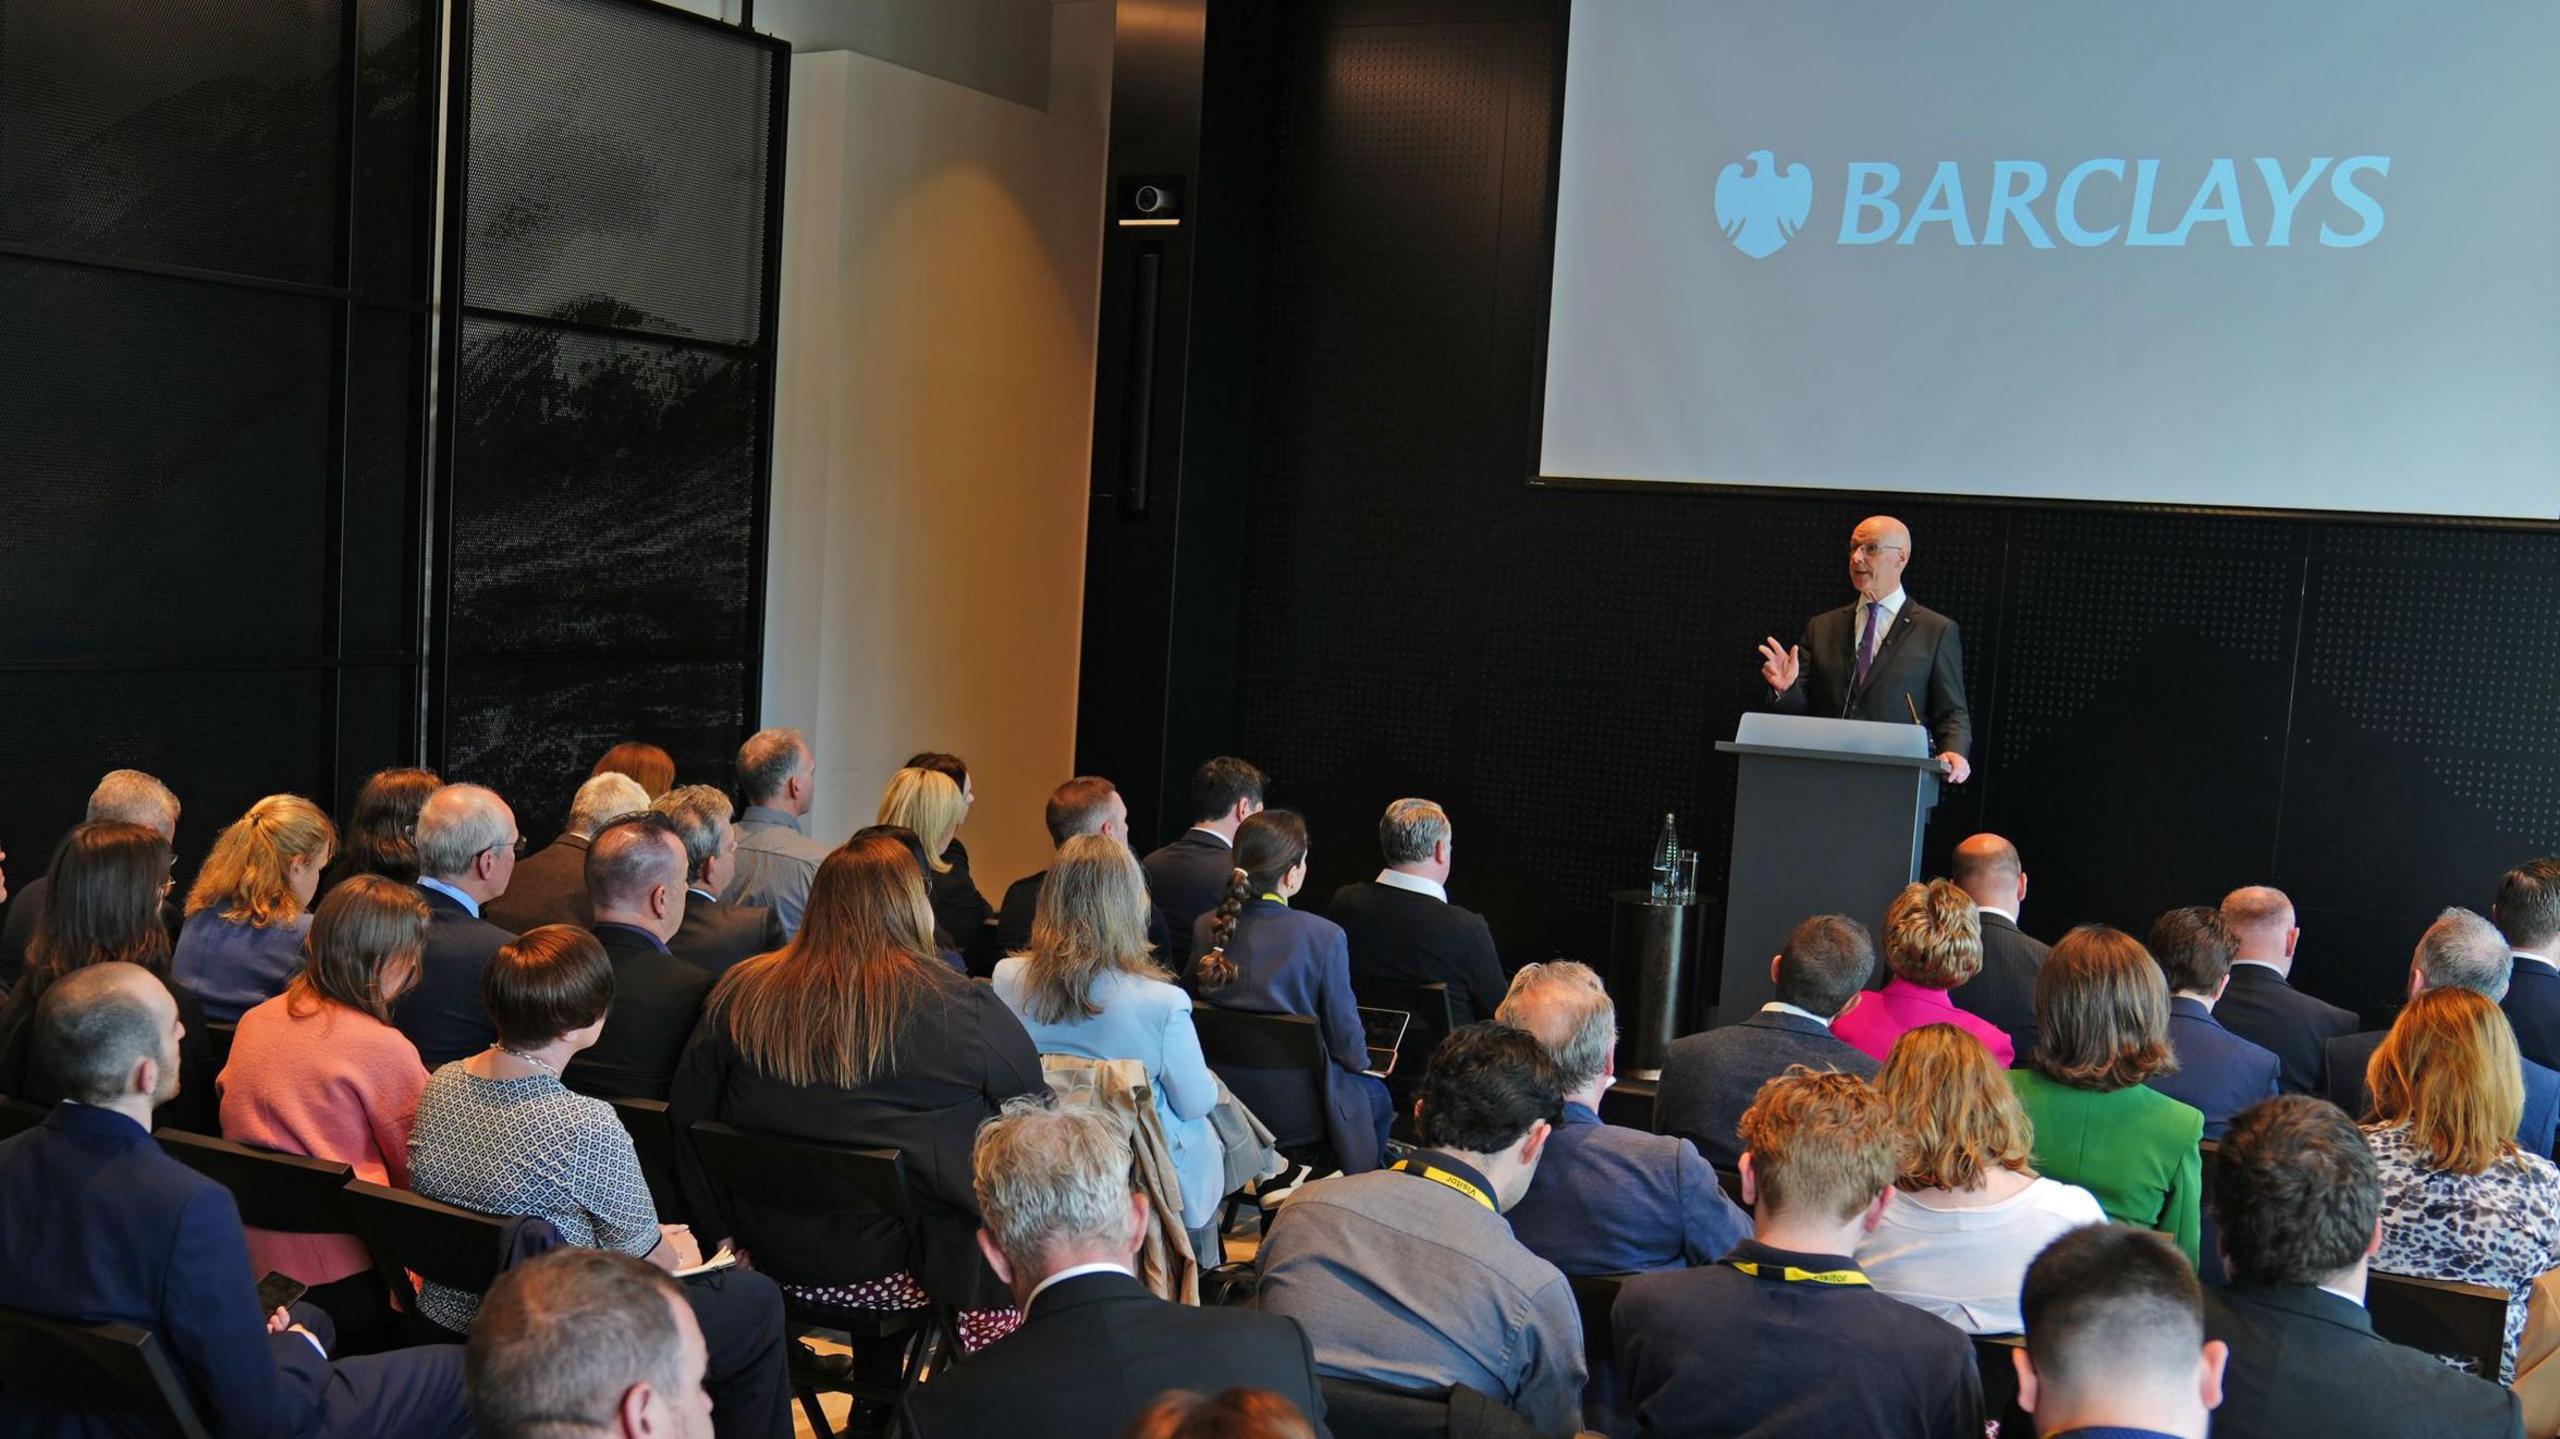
(940, 270)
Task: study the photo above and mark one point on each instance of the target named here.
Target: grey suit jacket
(1709, 1079)
(1920, 667)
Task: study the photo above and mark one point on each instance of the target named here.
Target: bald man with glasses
(1883, 657)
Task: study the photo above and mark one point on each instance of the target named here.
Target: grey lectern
(1827, 819)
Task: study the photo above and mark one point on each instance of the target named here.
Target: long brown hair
(2102, 1012)
(246, 876)
(827, 1008)
(1955, 1113)
(1092, 921)
(1268, 846)
(362, 929)
(102, 904)
(2448, 1069)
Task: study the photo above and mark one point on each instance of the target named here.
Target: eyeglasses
(1873, 550)
(519, 844)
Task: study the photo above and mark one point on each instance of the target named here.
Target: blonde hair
(1955, 1113)
(245, 876)
(1821, 1143)
(2449, 1070)
(1092, 921)
(929, 803)
(1933, 935)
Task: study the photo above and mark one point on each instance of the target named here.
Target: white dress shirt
(1072, 1271)
(1782, 1007)
(1398, 879)
(1213, 834)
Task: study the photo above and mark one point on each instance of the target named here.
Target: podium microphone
(1915, 709)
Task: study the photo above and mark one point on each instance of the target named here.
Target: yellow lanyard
(1276, 898)
(1792, 1275)
(1442, 1176)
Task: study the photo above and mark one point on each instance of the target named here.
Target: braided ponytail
(1215, 970)
(1268, 846)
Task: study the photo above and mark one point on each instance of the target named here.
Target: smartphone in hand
(276, 1291)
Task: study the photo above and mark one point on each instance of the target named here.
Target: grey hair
(1569, 1011)
(767, 761)
(602, 798)
(701, 815)
(1052, 1175)
(133, 797)
(91, 1029)
(2461, 950)
(632, 855)
(567, 1334)
(1411, 829)
(458, 824)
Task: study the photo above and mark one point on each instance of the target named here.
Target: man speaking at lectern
(1883, 657)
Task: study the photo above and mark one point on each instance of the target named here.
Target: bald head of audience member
(635, 873)
(2528, 907)
(467, 839)
(2115, 1337)
(1819, 1153)
(1564, 1006)
(1987, 867)
(2261, 919)
(109, 1036)
(1053, 1192)
(586, 1341)
(1825, 964)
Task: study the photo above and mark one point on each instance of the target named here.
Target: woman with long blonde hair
(251, 905)
(930, 804)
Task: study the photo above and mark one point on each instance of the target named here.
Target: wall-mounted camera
(1148, 200)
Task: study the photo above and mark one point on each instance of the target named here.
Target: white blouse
(1966, 1265)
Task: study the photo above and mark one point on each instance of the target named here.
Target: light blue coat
(1149, 1021)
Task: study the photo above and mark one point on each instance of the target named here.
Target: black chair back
(653, 1139)
(410, 1233)
(1427, 1003)
(2000, 1381)
(2466, 1323)
(17, 1116)
(217, 1044)
(1242, 1039)
(1629, 1102)
(1596, 1295)
(1367, 1411)
(94, 1368)
(1730, 1180)
(293, 1193)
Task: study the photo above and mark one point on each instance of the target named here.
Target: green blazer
(2134, 1148)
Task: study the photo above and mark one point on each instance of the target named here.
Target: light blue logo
(1762, 210)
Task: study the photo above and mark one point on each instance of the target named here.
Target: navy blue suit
(442, 1014)
(1187, 879)
(2533, 1008)
(2218, 1072)
(105, 1228)
(1612, 1200)
(2263, 1007)
(1709, 1079)
(1291, 962)
(2538, 1131)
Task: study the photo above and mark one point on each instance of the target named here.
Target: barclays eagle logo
(1761, 211)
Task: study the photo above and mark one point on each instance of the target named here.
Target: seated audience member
(2102, 1009)
(104, 896)
(2527, 911)
(550, 884)
(2459, 951)
(913, 844)
(635, 884)
(959, 880)
(856, 1034)
(2298, 1206)
(2115, 1340)
(250, 906)
(467, 846)
(929, 803)
(715, 934)
(1188, 878)
(1932, 943)
(1089, 987)
(1967, 1210)
(1786, 1336)
(1254, 952)
(1607, 1199)
(2459, 1200)
(2003, 991)
(777, 860)
(127, 796)
(382, 827)
(652, 768)
(1408, 1278)
(2260, 1003)
(1062, 1228)
(106, 1228)
(1709, 1079)
(1087, 804)
(1236, 1414)
(2218, 1072)
(498, 1133)
(1403, 928)
(588, 1333)
(319, 1070)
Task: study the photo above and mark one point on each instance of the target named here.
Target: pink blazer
(1878, 1017)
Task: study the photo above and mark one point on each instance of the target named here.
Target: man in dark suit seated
(1087, 804)
(105, 1228)
(2301, 1215)
(2003, 991)
(2459, 951)
(1786, 1335)
(1883, 657)
(591, 1333)
(2115, 1339)
(2528, 912)
(126, 796)
(1062, 1227)
(2218, 1072)
(1709, 1079)
(2262, 1006)
(715, 934)
(635, 877)
(1402, 926)
(1188, 877)
(467, 847)
(550, 884)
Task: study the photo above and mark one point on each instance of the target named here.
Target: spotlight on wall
(1148, 200)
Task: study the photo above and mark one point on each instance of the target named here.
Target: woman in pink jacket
(1932, 943)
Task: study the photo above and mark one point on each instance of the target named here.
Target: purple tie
(1867, 647)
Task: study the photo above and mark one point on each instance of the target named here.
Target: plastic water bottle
(1666, 860)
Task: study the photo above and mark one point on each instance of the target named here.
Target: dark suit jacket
(2004, 990)
(442, 1014)
(657, 998)
(1096, 1350)
(105, 1227)
(2262, 1007)
(1919, 668)
(2218, 1072)
(1708, 1079)
(548, 887)
(1022, 906)
(717, 934)
(2533, 1008)
(1291, 962)
(1411, 938)
(2538, 1131)
(1187, 879)
(2304, 1361)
